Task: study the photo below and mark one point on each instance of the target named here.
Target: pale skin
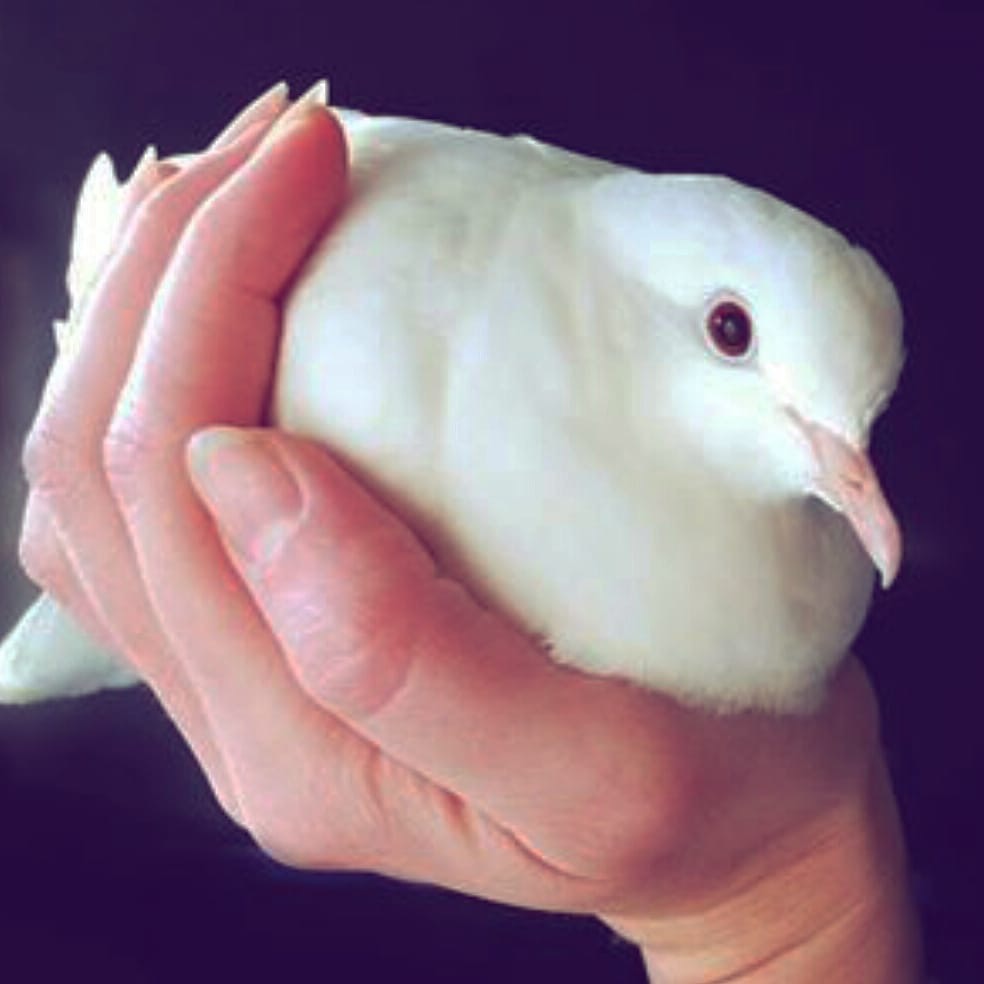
(354, 708)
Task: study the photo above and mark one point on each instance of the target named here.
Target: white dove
(630, 411)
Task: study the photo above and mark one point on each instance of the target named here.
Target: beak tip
(847, 481)
(889, 564)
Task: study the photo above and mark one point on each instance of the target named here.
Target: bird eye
(729, 329)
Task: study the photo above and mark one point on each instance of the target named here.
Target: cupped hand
(352, 706)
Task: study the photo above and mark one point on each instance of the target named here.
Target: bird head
(786, 341)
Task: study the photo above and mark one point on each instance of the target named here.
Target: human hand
(353, 707)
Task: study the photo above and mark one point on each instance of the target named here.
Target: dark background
(114, 863)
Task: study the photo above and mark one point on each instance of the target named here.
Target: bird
(630, 411)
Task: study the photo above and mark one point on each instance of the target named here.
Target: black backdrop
(114, 864)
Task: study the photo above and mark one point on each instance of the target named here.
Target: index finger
(218, 305)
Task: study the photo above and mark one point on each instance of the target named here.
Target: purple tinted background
(114, 864)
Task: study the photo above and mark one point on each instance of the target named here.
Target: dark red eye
(729, 327)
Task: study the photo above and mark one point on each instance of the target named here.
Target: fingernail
(147, 175)
(317, 95)
(265, 107)
(147, 160)
(252, 496)
(313, 101)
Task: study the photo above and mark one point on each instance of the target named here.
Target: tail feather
(47, 655)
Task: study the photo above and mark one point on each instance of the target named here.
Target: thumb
(375, 635)
(328, 565)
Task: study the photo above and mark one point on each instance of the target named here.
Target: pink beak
(846, 480)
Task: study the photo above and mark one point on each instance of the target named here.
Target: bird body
(515, 347)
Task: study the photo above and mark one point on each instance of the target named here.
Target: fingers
(43, 554)
(219, 305)
(206, 355)
(45, 561)
(413, 664)
(63, 454)
(108, 330)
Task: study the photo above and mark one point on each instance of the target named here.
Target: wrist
(830, 902)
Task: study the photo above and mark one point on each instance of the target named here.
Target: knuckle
(352, 634)
(41, 555)
(284, 844)
(642, 824)
(285, 851)
(41, 560)
(287, 821)
(357, 663)
(127, 450)
(644, 831)
(635, 841)
(53, 461)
